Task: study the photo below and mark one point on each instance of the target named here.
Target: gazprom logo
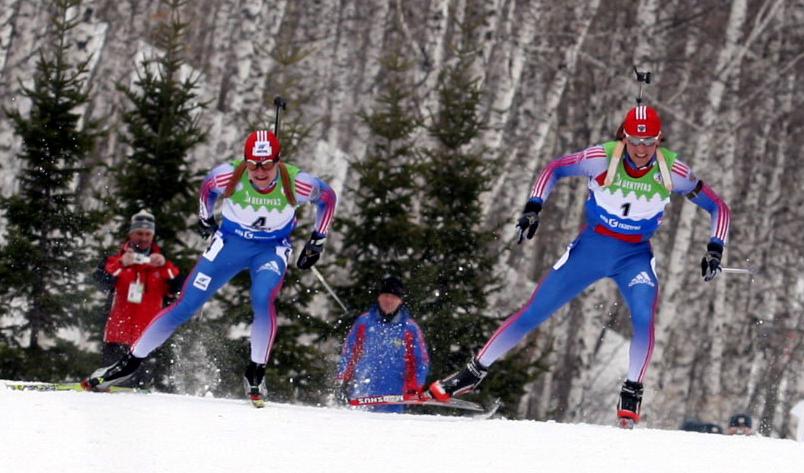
(261, 148)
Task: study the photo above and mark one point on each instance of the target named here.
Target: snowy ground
(137, 433)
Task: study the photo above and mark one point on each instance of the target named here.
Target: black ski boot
(253, 380)
(460, 382)
(629, 405)
(104, 378)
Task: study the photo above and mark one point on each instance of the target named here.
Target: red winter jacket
(128, 318)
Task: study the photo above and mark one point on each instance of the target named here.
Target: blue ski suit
(615, 243)
(255, 236)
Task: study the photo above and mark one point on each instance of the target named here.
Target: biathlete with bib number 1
(260, 196)
(630, 183)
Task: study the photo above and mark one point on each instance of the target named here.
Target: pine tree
(383, 237)
(456, 271)
(455, 277)
(46, 254)
(163, 125)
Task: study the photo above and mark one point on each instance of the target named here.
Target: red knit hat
(642, 121)
(262, 145)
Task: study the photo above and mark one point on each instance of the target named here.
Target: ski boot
(460, 382)
(630, 402)
(255, 387)
(104, 378)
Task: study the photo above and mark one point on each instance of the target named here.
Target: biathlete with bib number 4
(630, 183)
(260, 196)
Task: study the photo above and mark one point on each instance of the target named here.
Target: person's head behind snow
(740, 424)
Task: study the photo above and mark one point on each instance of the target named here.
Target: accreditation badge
(135, 290)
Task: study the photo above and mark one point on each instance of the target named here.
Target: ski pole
(279, 102)
(737, 270)
(329, 289)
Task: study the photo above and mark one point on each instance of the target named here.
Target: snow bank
(138, 433)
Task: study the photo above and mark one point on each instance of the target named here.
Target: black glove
(529, 221)
(710, 264)
(312, 251)
(207, 227)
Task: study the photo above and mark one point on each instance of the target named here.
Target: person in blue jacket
(385, 352)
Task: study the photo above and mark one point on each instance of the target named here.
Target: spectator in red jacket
(141, 281)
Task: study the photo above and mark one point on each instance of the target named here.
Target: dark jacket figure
(385, 352)
(140, 282)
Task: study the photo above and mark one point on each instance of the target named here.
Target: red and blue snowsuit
(621, 219)
(384, 357)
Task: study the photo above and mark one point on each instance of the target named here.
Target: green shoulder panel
(609, 146)
(293, 171)
(669, 156)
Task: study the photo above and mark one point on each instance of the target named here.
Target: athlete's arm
(589, 162)
(312, 189)
(213, 187)
(685, 182)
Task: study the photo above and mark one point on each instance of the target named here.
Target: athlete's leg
(220, 263)
(579, 267)
(267, 271)
(640, 289)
